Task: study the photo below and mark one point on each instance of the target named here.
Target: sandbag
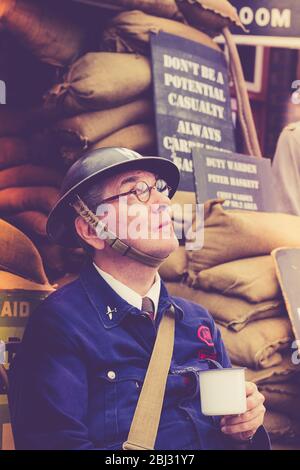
(184, 197)
(40, 198)
(10, 282)
(75, 134)
(175, 265)
(29, 175)
(14, 122)
(101, 80)
(139, 137)
(232, 312)
(13, 151)
(231, 235)
(282, 397)
(281, 427)
(259, 344)
(210, 16)
(283, 372)
(18, 255)
(253, 279)
(44, 29)
(64, 280)
(53, 258)
(286, 167)
(43, 149)
(183, 210)
(130, 32)
(29, 222)
(166, 8)
(58, 260)
(74, 259)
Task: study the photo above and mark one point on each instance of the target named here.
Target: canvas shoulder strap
(144, 426)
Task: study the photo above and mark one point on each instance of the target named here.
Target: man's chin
(160, 248)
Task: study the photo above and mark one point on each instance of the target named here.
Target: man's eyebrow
(130, 179)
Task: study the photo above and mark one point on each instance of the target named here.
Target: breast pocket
(191, 372)
(120, 393)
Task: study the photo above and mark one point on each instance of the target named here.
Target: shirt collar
(128, 294)
(112, 308)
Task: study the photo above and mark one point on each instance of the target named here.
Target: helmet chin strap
(111, 238)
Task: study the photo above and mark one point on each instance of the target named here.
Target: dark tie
(148, 307)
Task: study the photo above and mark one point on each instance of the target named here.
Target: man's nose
(159, 198)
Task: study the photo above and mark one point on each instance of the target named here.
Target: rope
(244, 108)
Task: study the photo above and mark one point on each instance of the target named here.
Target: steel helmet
(89, 169)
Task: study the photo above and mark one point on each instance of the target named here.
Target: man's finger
(248, 426)
(255, 400)
(248, 416)
(250, 388)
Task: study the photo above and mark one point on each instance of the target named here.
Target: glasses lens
(162, 187)
(142, 191)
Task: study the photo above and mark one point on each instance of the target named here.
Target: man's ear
(88, 234)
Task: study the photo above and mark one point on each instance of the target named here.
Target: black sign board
(269, 22)
(192, 101)
(287, 261)
(245, 183)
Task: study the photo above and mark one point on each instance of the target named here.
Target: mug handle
(214, 364)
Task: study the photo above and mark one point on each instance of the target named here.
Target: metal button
(111, 375)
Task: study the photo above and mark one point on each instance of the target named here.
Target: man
(76, 382)
(286, 170)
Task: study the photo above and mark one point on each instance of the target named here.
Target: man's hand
(243, 427)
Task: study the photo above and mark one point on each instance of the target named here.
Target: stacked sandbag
(165, 8)
(29, 186)
(13, 152)
(255, 334)
(19, 256)
(210, 16)
(174, 268)
(260, 344)
(75, 134)
(109, 93)
(283, 428)
(130, 32)
(233, 276)
(282, 397)
(232, 235)
(101, 80)
(23, 285)
(52, 36)
(254, 279)
(280, 387)
(19, 122)
(259, 340)
(28, 191)
(102, 95)
(286, 371)
(139, 137)
(23, 281)
(27, 194)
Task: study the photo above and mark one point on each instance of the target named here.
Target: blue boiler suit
(76, 380)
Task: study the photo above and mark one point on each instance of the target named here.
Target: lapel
(110, 307)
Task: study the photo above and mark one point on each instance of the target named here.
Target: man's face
(146, 226)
